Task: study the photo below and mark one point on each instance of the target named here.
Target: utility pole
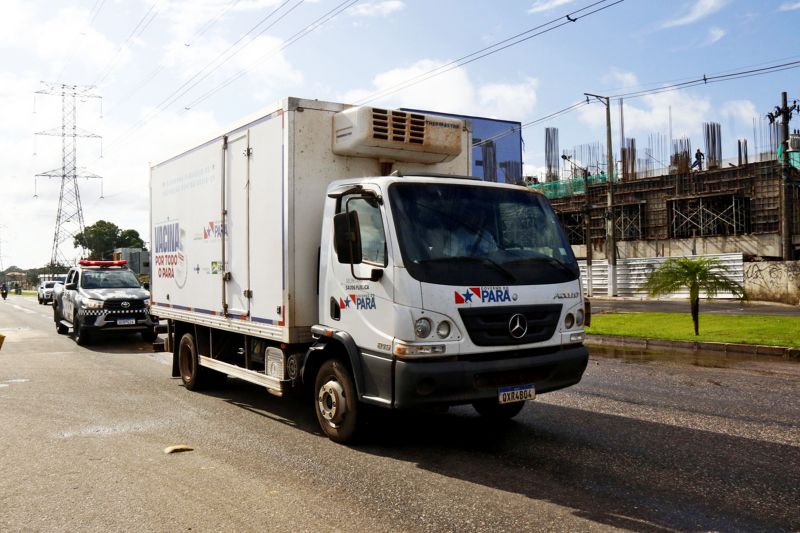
(785, 113)
(611, 243)
(69, 217)
(587, 220)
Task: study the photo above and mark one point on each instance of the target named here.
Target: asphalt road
(642, 443)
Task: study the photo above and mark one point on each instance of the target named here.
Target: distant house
(138, 259)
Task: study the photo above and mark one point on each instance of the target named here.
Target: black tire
(336, 402)
(492, 410)
(79, 333)
(189, 363)
(149, 335)
(40, 301)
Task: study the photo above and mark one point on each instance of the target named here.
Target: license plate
(126, 321)
(519, 393)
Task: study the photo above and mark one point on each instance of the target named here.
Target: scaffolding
(730, 201)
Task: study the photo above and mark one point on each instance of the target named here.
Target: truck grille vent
(489, 326)
(398, 126)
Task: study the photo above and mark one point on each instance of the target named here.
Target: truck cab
(447, 290)
(102, 297)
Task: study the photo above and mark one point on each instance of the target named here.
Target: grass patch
(740, 329)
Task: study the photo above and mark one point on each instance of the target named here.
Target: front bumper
(421, 383)
(98, 320)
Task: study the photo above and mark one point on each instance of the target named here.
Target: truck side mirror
(71, 286)
(146, 286)
(347, 237)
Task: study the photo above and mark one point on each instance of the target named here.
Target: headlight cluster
(424, 326)
(93, 304)
(572, 320)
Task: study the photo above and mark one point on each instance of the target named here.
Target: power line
(98, 5)
(183, 89)
(704, 80)
(296, 37)
(203, 73)
(140, 27)
(158, 70)
(499, 46)
(731, 75)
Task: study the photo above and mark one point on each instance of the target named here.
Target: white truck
(344, 250)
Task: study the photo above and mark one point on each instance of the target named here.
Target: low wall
(773, 281)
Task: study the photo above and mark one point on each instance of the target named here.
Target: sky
(164, 75)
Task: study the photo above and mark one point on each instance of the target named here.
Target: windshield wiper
(472, 259)
(549, 260)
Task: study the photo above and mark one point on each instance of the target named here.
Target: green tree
(102, 237)
(701, 274)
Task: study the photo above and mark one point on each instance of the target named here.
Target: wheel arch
(340, 345)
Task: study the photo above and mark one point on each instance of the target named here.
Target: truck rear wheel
(189, 363)
(336, 401)
(498, 411)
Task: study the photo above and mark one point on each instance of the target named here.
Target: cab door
(355, 304)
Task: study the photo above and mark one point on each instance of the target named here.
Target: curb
(693, 346)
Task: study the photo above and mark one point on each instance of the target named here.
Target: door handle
(336, 313)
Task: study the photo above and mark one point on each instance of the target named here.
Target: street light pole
(611, 244)
(587, 219)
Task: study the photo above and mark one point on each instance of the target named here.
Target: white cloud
(450, 92)
(698, 11)
(651, 114)
(377, 9)
(789, 6)
(740, 112)
(541, 6)
(714, 35)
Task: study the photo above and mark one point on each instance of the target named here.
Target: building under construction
(727, 207)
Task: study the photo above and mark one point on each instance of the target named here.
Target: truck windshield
(109, 279)
(474, 235)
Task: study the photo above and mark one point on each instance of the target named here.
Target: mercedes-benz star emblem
(125, 304)
(518, 326)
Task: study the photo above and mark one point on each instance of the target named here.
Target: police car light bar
(91, 262)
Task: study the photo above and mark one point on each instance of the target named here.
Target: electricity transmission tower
(69, 218)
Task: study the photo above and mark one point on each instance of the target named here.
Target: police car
(99, 297)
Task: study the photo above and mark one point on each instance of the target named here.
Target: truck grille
(492, 326)
(398, 126)
(120, 305)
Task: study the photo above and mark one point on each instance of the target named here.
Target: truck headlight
(418, 351)
(92, 304)
(422, 327)
(443, 329)
(579, 316)
(569, 321)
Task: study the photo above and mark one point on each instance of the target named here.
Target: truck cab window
(373, 237)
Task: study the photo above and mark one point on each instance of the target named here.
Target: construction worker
(698, 160)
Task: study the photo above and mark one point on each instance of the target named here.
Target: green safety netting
(561, 188)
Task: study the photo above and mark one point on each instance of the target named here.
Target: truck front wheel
(189, 363)
(336, 401)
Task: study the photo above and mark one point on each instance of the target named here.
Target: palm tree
(700, 274)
